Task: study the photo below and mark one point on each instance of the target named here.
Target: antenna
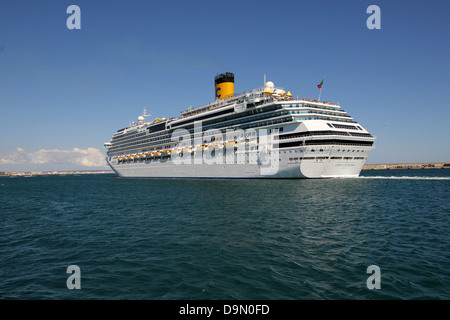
(142, 117)
(264, 81)
(144, 113)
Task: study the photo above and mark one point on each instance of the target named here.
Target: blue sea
(204, 239)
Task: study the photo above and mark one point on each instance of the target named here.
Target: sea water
(226, 238)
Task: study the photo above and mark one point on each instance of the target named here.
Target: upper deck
(256, 97)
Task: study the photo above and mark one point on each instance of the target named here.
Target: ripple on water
(226, 239)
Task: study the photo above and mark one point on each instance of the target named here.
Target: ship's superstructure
(264, 133)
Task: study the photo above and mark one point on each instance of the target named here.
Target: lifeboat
(188, 149)
(157, 120)
(166, 153)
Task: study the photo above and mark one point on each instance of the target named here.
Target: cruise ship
(262, 133)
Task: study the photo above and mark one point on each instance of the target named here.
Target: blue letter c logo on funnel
(218, 95)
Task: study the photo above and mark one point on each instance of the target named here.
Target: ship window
(290, 144)
(343, 126)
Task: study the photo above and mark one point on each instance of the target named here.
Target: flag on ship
(320, 84)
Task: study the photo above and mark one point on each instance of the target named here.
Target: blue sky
(63, 93)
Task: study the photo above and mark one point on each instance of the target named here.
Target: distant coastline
(400, 166)
(54, 173)
(385, 166)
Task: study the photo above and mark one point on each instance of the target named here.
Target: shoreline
(405, 166)
(53, 173)
(384, 166)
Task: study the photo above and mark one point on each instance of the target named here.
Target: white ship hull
(319, 167)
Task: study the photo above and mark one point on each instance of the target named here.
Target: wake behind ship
(264, 133)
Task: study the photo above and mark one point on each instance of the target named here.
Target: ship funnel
(224, 85)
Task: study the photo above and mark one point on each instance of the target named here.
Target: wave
(404, 177)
